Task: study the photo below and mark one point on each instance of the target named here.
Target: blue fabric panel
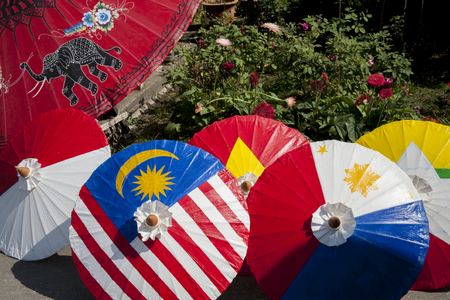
(374, 263)
(193, 167)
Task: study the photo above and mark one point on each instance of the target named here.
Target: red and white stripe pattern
(197, 259)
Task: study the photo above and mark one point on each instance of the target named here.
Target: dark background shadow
(55, 277)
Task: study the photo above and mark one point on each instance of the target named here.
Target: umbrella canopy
(85, 54)
(422, 150)
(55, 154)
(248, 144)
(159, 220)
(335, 220)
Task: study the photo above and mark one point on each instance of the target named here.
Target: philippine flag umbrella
(247, 145)
(84, 54)
(41, 172)
(159, 220)
(422, 150)
(334, 220)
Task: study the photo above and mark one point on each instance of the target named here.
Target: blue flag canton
(157, 170)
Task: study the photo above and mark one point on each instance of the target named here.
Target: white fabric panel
(35, 224)
(219, 221)
(110, 249)
(414, 162)
(225, 193)
(191, 266)
(202, 241)
(392, 188)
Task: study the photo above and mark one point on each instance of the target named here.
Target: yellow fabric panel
(392, 139)
(242, 160)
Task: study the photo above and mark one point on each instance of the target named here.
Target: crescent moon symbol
(134, 161)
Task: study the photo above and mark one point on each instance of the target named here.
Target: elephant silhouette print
(67, 62)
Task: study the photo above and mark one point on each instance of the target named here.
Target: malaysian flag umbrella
(84, 54)
(336, 220)
(422, 150)
(159, 220)
(247, 145)
(41, 172)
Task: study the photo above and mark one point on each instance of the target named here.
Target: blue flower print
(103, 16)
(88, 19)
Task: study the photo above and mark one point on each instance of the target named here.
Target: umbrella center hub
(334, 223)
(423, 187)
(246, 186)
(152, 220)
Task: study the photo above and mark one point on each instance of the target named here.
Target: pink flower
(272, 27)
(228, 66)
(264, 109)
(417, 107)
(316, 86)
(289, 102)
(242, 29)
(385, 93)
(325, 77)
(390, 80)
(273, 44)
(224, 42)
(375, 80)
(305, 26)
(254, 79)
(371, 61)
(364, 99)
(332, 58)
(199, 108)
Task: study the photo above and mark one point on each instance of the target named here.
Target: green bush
(324, 64)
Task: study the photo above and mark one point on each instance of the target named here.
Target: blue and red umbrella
(160, 220)
(336, 220)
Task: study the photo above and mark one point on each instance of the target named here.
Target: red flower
(289, 102)
(448, 83)
(316, 86)
(376, 80)
(254, 79)
(325, 77)
(364, 99)
(427, 118)
(386, 85)
(385, 93)
(242, 29)
(228, 66)
(201, 43)
(264, 109)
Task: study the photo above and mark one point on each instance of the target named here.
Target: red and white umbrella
(159, 220)
(54, 155)
(81, 54)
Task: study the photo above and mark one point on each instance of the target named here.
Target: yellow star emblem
(322, 149)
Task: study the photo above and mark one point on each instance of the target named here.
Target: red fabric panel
(281, 205)
(267, 139)
(436, 269)
(52, 137)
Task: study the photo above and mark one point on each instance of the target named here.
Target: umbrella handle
(25, 172)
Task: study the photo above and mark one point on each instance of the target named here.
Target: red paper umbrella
(247, 145)
(83, 54)
(55, 154)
